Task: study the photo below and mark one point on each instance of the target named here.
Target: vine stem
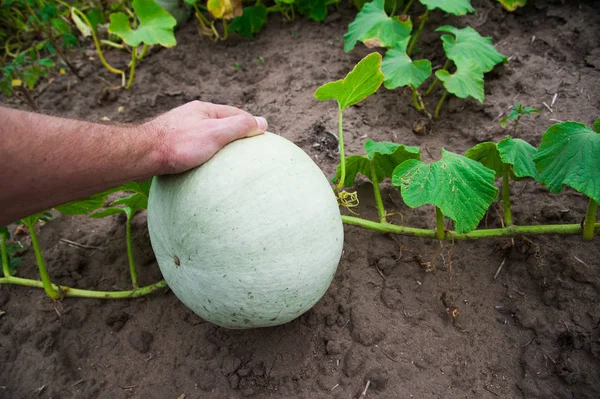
(439, 224)
(76, 292)
(408, 5)
(506, 195)
(439, 106)
(510, 231)
(132, 69)
(377, 195)
(46, 283)
(342, 157)
(447, 65)
(590, 220)
(4, 252)
(416, 100)
(132, 270)
(98, 47)
(415, 37)
(141, 55)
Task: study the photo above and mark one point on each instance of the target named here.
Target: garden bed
(530, 330)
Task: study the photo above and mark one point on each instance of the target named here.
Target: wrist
(156, 158)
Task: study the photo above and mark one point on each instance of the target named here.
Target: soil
(532, 332)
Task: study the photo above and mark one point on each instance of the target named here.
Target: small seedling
(516, 113)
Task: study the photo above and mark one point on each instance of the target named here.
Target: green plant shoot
(155, 27)
(569, 155)
(516, 113)
(509, 158)
(379, 163)
(364, 79)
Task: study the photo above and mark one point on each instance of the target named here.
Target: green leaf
(470, 45)
(355, 164)
(519, 154)
(467, 81)
(597, 125)
(384, 156)
(516, 153)
(569, 155)
(463, 189)
(314, 9)
(46, 62)
(4, 232)
(225, 9)
(456, 7)
(512, 5)
(107, 212)
(60, 25)
(30, 220)
(136, 202)
(364, 80)
(374, 28)
(529, 110)
(400, 70)
(250, 22)
(95, 18)
(155, 27)
(487, 154)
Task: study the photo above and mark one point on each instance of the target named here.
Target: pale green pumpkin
(252, 238)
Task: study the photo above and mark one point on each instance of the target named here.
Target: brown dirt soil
(531, 333)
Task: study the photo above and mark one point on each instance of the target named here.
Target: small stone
(259, 369)
(333, 348)
(140, 340)
(234, 381)
(243, 372)
(116, 320)
(230, 365)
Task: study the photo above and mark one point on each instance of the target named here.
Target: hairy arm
(46, 161)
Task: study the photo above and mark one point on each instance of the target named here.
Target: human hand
(191, 134)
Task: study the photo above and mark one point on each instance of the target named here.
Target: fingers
(218, 111)
(234, 127)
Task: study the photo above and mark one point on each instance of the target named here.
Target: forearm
(47, 161)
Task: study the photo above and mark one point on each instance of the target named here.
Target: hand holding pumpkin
(191, 134)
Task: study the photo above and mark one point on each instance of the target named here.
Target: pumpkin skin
(251, 238)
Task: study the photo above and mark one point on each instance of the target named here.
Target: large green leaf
(382, 156)
(400, 70)
(487, 154)
(314, 9)
(364, 80)
(597, 125)
(516, 153)
(456, 7)
(375, 28)
(512, 5)
(467, 81)
(250, 22)
(570, 155)
(470, 45)
(155, 27)
(519, 154)
(462, 188)
(141, 191)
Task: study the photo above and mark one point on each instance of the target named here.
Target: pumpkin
(251, 238)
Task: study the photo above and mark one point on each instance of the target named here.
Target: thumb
(238, 126)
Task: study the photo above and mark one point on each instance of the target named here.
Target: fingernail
(262, 125)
